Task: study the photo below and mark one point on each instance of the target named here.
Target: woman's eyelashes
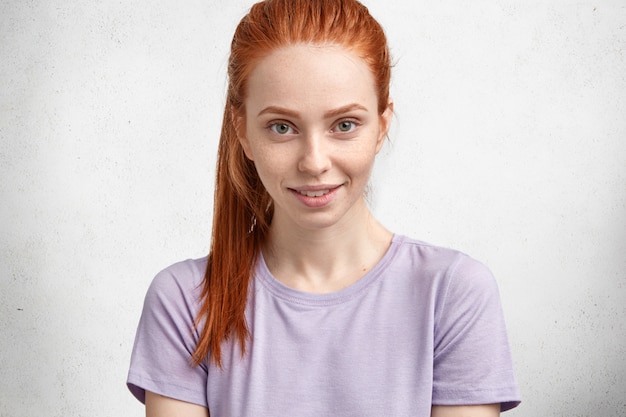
(282, 128)
(346, 126)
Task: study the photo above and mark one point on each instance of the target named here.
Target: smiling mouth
(318, 193)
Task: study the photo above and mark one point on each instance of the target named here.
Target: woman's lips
(315, 197)
(318, 193)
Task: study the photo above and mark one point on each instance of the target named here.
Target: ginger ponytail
(240, 223)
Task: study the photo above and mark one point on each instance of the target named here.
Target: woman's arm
(160, 406)
(489, 410)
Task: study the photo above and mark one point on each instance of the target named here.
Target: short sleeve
(166, 338)
(472, 359)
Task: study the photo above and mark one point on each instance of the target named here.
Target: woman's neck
(328, 259)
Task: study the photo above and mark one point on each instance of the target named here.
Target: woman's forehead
(305, 73)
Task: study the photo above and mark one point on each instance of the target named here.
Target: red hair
(243, 208)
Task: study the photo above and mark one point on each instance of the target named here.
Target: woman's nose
(315, 158)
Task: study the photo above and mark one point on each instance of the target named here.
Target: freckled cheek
(358, 166)
(272, 169)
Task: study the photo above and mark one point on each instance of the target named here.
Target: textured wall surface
(509, 144)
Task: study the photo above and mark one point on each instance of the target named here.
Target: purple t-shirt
(423, 327)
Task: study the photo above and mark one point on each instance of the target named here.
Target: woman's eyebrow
(344, 109)
(278, 110)
(331, 113)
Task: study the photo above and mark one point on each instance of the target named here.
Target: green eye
(281, 128)
(345, 126)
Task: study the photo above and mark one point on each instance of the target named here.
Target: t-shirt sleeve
(472, 359)
(166, 339)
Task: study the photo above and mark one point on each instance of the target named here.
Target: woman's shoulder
(181, 279)
(187, 271)
(419, 250)
(438, 261)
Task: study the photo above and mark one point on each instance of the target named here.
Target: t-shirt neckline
(282, 291)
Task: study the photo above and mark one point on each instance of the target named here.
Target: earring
(252, 225)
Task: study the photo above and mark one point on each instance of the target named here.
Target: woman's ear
(239, 122)
(385, 123)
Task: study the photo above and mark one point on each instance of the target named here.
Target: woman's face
(312, 128)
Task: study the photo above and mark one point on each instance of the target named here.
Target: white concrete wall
(509, 144)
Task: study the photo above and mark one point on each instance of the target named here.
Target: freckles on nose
(314, 158)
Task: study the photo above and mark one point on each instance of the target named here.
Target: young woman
(306, 305)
